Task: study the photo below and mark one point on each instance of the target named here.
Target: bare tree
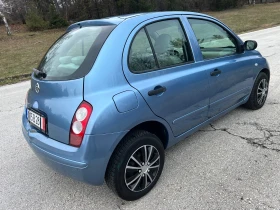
(56, 6)
(252, 2)
(4, 19)
(17, 8)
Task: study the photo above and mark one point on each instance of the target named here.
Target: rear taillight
(79, 124)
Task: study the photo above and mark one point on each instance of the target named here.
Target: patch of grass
(23, 50)
(250, 18)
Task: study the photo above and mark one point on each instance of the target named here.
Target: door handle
(157, 90)
(216, 72)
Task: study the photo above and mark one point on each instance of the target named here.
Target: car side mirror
(250, 45)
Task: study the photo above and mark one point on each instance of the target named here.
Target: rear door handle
(216, 72)
(157, 90)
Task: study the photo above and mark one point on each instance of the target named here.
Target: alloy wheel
(142, 168)
(262, 91)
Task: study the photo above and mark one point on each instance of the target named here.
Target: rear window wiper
(40, 74)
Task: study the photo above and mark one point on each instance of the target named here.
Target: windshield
(73, 55)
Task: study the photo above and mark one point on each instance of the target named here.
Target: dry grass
(250, 18)
(24, 50)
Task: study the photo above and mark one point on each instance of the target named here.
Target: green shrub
(225, 4)
(56, 21)
(35, 22)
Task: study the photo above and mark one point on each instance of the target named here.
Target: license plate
(37, 120)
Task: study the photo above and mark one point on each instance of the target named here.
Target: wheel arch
(266, 71)
(155, 127)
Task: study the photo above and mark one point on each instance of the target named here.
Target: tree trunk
(6, 24)
(252, 2)
(97, 9)
(22, 18)
(65, 9)
(56, 6)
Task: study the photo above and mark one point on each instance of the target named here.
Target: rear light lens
(79, 124)
(77, 127)
(81, 114)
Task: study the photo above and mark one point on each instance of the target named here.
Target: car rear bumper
(87, 163)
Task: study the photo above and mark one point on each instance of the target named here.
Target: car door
(230, 74)
(158, 62)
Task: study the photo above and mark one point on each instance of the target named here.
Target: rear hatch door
(57, 84)
(57, 102)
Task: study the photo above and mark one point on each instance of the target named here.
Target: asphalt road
(233, 164)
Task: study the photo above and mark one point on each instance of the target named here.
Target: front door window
(214, 41)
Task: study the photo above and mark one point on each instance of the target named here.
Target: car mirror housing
(250, 45)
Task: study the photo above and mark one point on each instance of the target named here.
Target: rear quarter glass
(73, 54)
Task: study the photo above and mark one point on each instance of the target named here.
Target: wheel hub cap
(145, 168)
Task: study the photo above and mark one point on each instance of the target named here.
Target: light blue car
(112, 94)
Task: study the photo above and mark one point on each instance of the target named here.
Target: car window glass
(71, 53)
(213, 40)
(141, 57)
(82, 47)
(169, 43)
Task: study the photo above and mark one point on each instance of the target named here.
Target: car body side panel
(104, 81)
(125, 101)
(106, 118)
(236, 78)
(180, 106)
(205, 123)
(233, 84)
(260, 64)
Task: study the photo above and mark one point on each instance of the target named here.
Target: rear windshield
(73, 55)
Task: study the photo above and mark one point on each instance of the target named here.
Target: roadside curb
(260, 30)
(15, 77)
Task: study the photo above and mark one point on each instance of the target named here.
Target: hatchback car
(112, 94)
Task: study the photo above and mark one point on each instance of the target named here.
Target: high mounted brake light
(79, 124)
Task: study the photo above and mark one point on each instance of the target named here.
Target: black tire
(254, 101)
(118, 175)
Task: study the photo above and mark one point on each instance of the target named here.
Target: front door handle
(216, 72)
(157, 90)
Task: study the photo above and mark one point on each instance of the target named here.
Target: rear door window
(73, 55)
(170, 43)
(141, 57)
(159, 45)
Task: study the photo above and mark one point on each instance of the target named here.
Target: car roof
(159, 14)
(116, 20)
